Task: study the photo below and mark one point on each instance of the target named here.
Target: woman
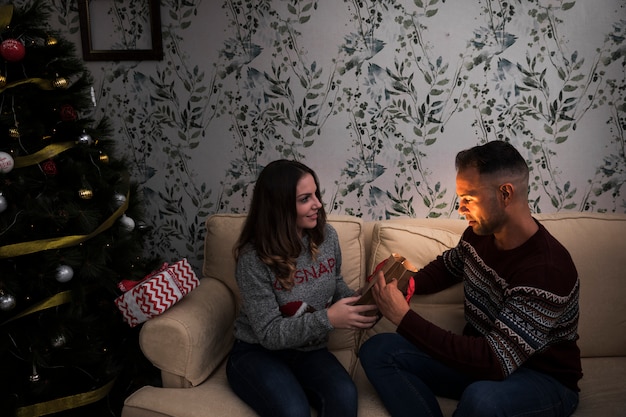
(292, 296)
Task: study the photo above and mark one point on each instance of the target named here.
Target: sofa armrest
(190, 340)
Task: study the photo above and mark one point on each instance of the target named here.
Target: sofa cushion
(213, 397)
(601, 328)
(420, 245)
(596, 243)
(352, 241)
(603, 392)
(602, 389)
(193, 337)
(222, 232)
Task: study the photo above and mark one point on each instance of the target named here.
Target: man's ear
(506, 191)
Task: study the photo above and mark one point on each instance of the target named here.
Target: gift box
(395, 267)
(156, 293)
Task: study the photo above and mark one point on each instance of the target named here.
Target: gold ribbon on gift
(65, 403)
(48, 152)
(25, 248)
(54, 301)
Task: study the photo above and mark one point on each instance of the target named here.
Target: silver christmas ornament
(3, 203)
(7, 301)
(58, 341)
(64, 273)
(127, 223)
(84, 139)
(119, 199)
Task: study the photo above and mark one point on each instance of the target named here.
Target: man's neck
(516, 232)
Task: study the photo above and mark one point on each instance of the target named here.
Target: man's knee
(480, 399)
(373, 349)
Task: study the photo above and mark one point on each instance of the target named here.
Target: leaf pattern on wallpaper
(610, 177)
(358, 48)
(163, 116)
(275, 111)
(182, 98)
(280, 110)
(396, 86)
(238, 53)
(538, 114)
(418, 93)
(65, 12)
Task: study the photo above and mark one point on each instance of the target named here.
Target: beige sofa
(190, 341)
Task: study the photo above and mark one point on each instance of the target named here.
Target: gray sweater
(295, 319)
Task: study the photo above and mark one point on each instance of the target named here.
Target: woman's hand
(344, 315)
(389, 299)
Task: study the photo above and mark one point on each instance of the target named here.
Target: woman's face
(307, 203)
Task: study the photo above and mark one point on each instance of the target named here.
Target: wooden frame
(102, 41)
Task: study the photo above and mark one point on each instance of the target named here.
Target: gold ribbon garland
(6, 14)
(54, 301)
(65, 403)
(41, 82)
(48, 152)
(25, 248)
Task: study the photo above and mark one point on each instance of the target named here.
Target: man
(518, 353)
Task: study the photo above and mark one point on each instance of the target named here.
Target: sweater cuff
(323, 319)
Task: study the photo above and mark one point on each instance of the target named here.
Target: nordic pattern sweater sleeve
(295, 319)
(521, 307)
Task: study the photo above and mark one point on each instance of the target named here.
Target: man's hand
(389, 299)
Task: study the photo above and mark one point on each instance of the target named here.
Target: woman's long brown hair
(270, 227)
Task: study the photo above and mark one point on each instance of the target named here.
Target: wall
(376, 96)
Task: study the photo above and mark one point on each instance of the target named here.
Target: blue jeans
(288, 382)
(408, 380)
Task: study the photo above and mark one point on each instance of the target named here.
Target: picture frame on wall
(120, 30)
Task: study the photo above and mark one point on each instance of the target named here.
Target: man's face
(479, 202)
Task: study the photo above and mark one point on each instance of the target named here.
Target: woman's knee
(343, 401)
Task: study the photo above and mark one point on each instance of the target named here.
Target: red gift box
(395, 267)
(156, 293)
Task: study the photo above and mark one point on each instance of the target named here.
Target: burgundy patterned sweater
(521, 307)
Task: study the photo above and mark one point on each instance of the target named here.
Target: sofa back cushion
(420, 241)
(222, 232)
(597, 244)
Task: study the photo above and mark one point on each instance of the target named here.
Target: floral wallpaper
(377, 96)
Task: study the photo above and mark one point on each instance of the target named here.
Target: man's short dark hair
(493, 157)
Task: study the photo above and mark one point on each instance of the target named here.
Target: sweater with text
(294, 319)
(521, 307)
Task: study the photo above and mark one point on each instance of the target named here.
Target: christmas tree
(70, 229)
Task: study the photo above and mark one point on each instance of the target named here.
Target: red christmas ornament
(49, 168)
(68, 114)
(12, 50)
